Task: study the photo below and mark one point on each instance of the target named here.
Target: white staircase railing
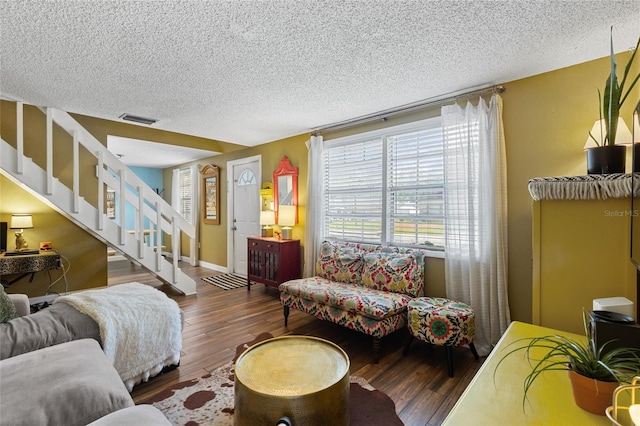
(153, 215)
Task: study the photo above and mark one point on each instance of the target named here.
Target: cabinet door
(271, 266)
(270, 262)
(254, 260)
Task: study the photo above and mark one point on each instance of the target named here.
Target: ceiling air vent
(138, 119)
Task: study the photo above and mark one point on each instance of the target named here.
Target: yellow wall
(546, 120)
(213, 238)
(581, 253)
(86, 254)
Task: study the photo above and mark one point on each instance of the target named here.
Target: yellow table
(550, 400)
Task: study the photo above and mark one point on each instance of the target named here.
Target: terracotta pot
(607, 159)
(590, 394)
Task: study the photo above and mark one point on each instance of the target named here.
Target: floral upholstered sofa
(363, 287)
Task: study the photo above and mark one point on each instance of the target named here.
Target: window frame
(383, 135)
(183, 174)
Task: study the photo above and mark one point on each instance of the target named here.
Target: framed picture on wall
(211, 194)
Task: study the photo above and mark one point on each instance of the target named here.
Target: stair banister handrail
(89, 141)
(149, 212)
(147, 203)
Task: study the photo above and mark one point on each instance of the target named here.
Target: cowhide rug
(209, 400)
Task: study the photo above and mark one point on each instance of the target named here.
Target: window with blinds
(386, 187)
(185, 194)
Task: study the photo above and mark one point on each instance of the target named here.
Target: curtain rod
(385, 114)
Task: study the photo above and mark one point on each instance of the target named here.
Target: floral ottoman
(442, 322)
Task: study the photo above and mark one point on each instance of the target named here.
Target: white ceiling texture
(250, 72)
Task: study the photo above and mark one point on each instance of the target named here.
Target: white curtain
(475, 190)
(315, 205)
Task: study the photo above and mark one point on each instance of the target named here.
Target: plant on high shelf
(594, 372)
(609, 106)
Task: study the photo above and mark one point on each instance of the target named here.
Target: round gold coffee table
(301, 377)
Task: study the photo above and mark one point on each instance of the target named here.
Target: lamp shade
(287, 216)
(21, 221)
(636, 128)
(267, 217)
(623, 134)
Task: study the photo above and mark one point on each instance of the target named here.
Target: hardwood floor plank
(217, 321)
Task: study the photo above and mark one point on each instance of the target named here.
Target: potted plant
(606, 157)
(594, 372)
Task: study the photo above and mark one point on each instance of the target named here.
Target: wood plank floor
(217, 321)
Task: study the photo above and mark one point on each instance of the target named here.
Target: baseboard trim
(214, 267)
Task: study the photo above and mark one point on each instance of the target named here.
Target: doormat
(227, 281)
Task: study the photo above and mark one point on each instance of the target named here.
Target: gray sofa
(69, 383)
(57, 324)
(137, 326)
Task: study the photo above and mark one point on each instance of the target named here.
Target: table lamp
(623, 135)
(21, 222)
(286, 219)
(267, 218)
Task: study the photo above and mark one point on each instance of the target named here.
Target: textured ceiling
(250, 72)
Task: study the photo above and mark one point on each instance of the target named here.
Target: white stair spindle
(158, 237)
(101, 211)
(121, 204)
(49, 151)
(141, 236)
(175, 238)
(20, 137)
(76, 172)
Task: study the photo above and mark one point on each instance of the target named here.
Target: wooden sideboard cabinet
(271, 261)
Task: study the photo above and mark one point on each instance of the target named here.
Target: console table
(26, 264)
(271, 261)
(497, 400)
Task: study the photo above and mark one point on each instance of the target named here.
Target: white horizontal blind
(416, 188)
(386, 187)
(353, 191)
(185, 195)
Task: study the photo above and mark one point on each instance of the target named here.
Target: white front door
(244, 209)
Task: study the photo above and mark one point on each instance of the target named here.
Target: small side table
(28, 264)
(302, 377)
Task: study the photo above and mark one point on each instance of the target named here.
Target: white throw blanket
(140, 327)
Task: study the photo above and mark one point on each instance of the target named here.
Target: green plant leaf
(611, 107)
(556, 352)
(626, 73)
